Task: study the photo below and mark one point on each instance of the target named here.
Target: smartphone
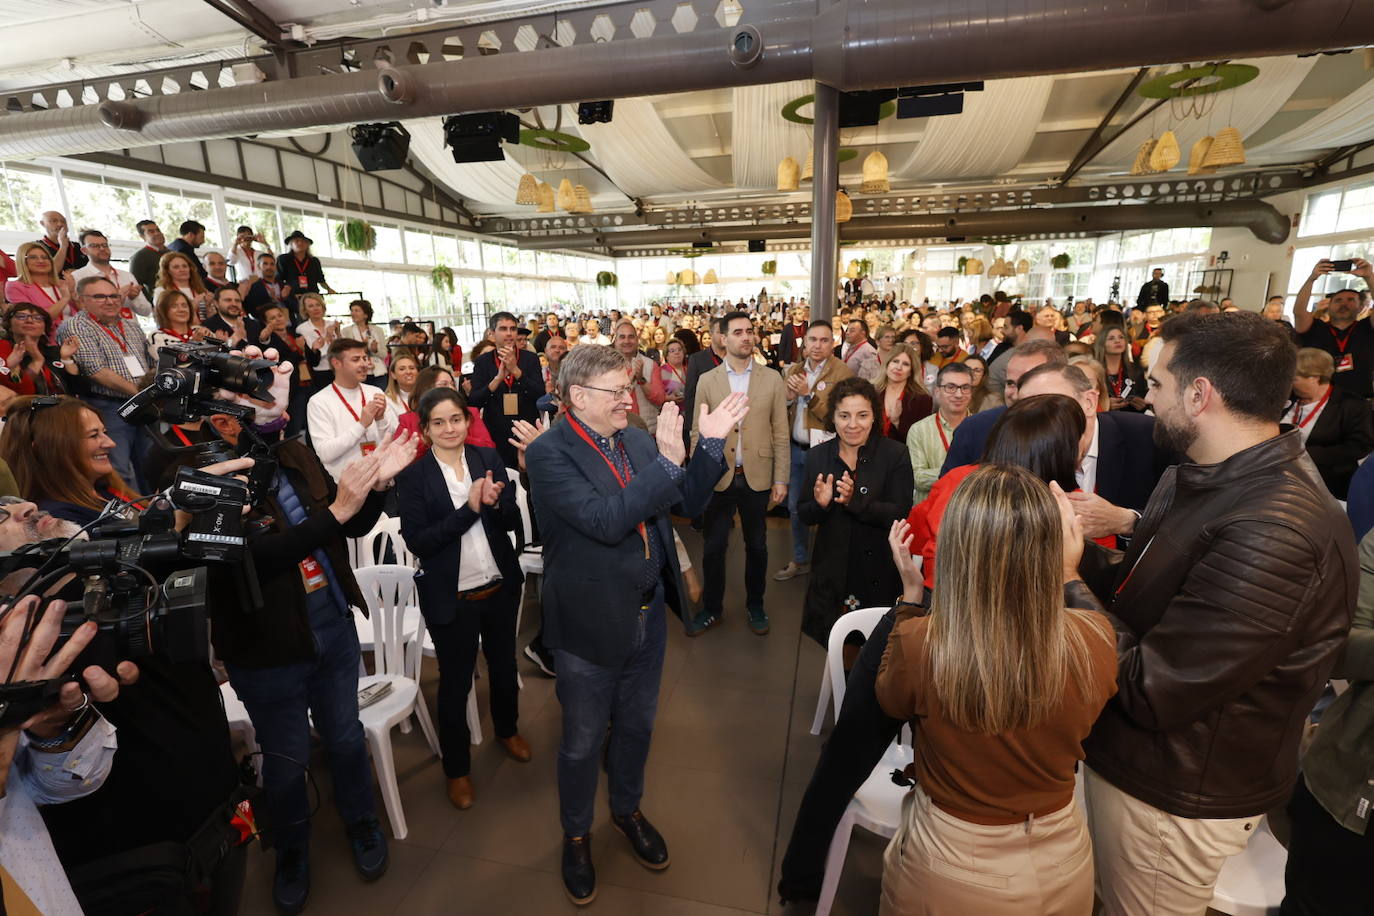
(1344, 266)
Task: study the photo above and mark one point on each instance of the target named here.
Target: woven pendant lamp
(1023, 266)
(583, 199)
(1166, 154)
(687, 277)
(789, 173)
(810, 163)
(1142, 158)
(527, 192)
(973, 267)
(1197, 155)
(844, 208)
(565, 198)
(672, 278)
(546, 203)
(710, 277)
(875, 174)
(851, 272)
(1226, 149)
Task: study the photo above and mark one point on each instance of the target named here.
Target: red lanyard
(1341, 342)
(181, 435)
(714, 358)
(53, 299)
(852, 352)
(680, 377)
(170, 333)
(1297, 410)
(940, 428)
(1118, 381)
(301, 266)
(622, 480)
(357, 416)
(121, 339)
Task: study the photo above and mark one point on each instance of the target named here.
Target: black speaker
(703, 244)
(380, 147)
(757, 245)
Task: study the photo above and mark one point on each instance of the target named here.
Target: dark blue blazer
(433, 529)
(1129, 464)
(593, 554)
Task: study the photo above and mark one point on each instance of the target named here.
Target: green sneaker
(758, 621)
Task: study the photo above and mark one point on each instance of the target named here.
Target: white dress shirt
(477, 563)
(1307, 414)
(336, 433)
(243, 265)
(1086, 475)
(138, 304)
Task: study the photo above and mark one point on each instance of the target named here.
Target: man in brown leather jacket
(1230, 606)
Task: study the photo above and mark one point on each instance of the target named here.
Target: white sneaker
(791, 571)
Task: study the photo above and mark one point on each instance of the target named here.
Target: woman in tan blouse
(1003, 683)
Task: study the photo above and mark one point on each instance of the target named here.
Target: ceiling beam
(1093, 145)
(249, 17)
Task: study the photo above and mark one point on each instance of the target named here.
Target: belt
(481, 591)
(739, 469)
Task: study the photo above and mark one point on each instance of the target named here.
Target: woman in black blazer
(456, 509)
(1335, 426)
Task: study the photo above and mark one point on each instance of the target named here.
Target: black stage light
(757, 245)
(703, 244)
(932, 101)
(595, 112)
(380, 147)
(863, 109)
(477, 137)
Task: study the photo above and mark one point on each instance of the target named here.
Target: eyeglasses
(955, 389)
(26, 316)
(103, 297)
(617, 394)
(35, 256)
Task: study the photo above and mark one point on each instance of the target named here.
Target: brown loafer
(518, 748)
(460, 792)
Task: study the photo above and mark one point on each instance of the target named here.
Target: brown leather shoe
(518, 748)
(460, 792)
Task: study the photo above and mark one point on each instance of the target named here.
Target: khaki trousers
(939, 865)
(1151, 863)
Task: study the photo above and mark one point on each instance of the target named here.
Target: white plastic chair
(240, 724)
(389, 589)
(832, 674)
(876, 807)
(1251, 884)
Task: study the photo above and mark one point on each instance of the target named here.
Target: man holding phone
(1349, 341)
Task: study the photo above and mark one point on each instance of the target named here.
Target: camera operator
(297, 663)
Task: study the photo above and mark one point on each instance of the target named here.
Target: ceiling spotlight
(932, 101)
(380, 147)
(595, 112)
(477, 137)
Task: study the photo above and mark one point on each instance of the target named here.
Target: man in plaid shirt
(113, 353)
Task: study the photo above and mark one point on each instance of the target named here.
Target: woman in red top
(903, 395)
(1041, 434)
(32, 365)
(435, 377)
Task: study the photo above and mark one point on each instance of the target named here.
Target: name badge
(312, 575)
(510, 403)
(133, 365)
(1345, 363)
(303, 281)
(368, 448)
(126, 312)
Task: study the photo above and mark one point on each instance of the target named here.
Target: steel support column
(825, 181)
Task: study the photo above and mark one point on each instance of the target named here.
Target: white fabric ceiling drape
(1247, 108)
(760, 138)
(1349, 121)
(638, 152)
(989, 138)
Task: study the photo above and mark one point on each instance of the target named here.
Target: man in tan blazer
(757, 462)
(809, 383)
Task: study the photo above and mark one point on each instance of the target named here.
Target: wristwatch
(80, 715)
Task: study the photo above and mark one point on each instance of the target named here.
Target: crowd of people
(1113, 542)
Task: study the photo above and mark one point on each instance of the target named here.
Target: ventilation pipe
(1266, 223)
(853, 44)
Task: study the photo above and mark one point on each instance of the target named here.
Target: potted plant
(1061, 261)
(865, 267)
(605, 278)
(770, 268)
(442, 278)
(356, 235)
(963, 263)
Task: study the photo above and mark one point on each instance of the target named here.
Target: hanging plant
(442, 278)
(1061, 261)
(963, 263)
(356, 235)
(865, 267)
(605, 278)
(770, 268)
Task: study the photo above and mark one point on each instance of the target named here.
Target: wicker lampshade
(1226, 149)
(710, 277)
(788, 174)
(1142, 158)
(546, 203)
(851, 272)
(672, 278)
(1023, 266)
(1197, 155)
(875, 174)
(810, 163)
(844, 208)
(1166, 154)
(973, 267)
(527, 192)
(583, 199)
(565, 198)
(687, 277)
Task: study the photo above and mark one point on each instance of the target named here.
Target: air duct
(1266, 223)
(854, 44)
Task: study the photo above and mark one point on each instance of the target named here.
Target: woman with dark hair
(1125, 379)
(374, 335)
(32, 365)
(447, 352)
(978, 368)
(857, 484)
(689, 340)
(426, 380)
(59, 452)
(456, 508)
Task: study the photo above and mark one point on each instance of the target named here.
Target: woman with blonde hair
(1004, 683)
(400, 385)
(176, 271)
(904, 396)
(38, 284)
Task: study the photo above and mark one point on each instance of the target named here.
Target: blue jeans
(281, 702)
(800, 533)
(131, 442)
(624, 698)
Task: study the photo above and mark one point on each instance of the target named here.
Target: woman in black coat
(1335, 426)
(456, 508)
(857, 484)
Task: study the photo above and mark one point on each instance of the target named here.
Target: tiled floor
(731, 756)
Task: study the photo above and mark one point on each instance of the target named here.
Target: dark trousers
(296, 407)
(283, 702)
(625, 698)
(1328, 866)
(862, 732)
(752, 506)
(492, 620)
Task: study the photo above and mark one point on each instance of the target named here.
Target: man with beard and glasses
(1349, 340)
(1230, 607)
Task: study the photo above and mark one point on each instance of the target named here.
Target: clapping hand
(374, 410)
(668, 433)
(796, 384)
(717, 423)
(899, 541)
(824, 490)
(355, 482)
(525, 433)
(69, 347)
(844, 489)
(394, 456)
(484, 492)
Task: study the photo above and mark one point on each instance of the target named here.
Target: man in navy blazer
(507, 383)
(603, 495)
(971, 435)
